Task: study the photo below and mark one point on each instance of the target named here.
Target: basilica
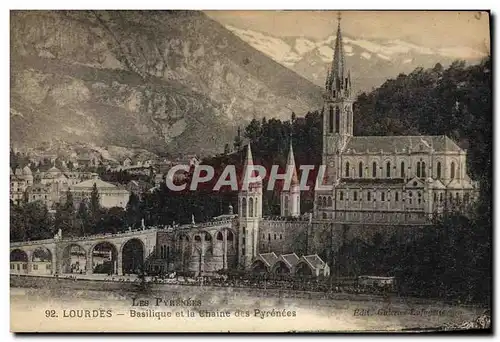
(386, 185)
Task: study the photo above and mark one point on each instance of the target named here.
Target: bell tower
(337, 110)
(249, 213)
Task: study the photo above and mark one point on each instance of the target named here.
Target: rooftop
(402, 144)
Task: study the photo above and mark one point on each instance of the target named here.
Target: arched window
(418, 169)
(341, 195)
(440, 197)
(396, 196)
(330, 121)
(374, 169)
(244, 207)
(337, 119)
(324, 216)
(355, 196)
(347, 169)
(438, 170)
(250, 205)
(452, 170)
(388, 169)
(255, 207)
(435, 197)
(330, 202)
(360, 169)
(423, 169)
(402, 169)
(382, 196)
(369, 196)
(324, 201)
(268, 237)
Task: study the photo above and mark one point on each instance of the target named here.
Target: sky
(426, 28)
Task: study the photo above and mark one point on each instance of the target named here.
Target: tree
(95, 210)
(83, 219)
(133, 210)
(65, 217)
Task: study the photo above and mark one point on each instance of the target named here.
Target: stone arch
(41, 254)
(330, 201)
(281, 267)
(41, 259)
(18, 261)
(132, 255)
(303, 269)
(258, 266)
(74, 259)
(18, 255)
(104, 258)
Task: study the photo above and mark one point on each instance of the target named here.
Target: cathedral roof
(401, 144)
(353, 182)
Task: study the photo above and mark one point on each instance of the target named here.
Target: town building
(110, 195)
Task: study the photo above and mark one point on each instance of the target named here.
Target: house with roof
(110, 195)
(291, 264)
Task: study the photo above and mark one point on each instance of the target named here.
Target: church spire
(338, 80)
(338, 62)
(249, 158)
(291, 164)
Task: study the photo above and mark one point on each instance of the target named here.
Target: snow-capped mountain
(371, 62)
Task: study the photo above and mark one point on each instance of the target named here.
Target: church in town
(373, 185)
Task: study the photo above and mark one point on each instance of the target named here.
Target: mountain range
(175, 81)
(167, 81)
(371, 62)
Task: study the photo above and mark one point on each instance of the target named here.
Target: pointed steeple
(338, 62)
(249, 158)
(338, 80)
(291, 164)
(249, 167)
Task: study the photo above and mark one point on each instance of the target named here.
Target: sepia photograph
(250, 171)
